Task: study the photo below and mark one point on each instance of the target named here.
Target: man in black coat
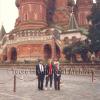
(40, 73)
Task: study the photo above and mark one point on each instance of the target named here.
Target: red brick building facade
(83, 10)
(41, 27)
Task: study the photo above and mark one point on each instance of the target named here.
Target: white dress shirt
(41, 67)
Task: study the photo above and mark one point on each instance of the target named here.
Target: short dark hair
(39, 60)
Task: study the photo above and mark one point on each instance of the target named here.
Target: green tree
(78, 47)
(94, 30)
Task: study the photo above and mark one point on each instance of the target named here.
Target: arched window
(47, 51)
(13, 54)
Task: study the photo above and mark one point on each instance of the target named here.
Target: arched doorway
(5, 55)
(13, 54)
(47, 51)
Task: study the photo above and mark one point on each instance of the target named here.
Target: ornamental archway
(47, 51)
(13, 54)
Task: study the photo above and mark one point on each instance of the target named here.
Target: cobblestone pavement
(72, 88)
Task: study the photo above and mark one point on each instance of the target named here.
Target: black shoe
(55, 88)
(41, 89)
(58, 88)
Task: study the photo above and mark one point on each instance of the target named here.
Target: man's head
(40, 61)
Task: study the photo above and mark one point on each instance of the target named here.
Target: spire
(17, 2)
(2, 31)
(73, 25)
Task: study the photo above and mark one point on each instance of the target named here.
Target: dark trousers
(40, 82)
(57, 83)
(50, 77)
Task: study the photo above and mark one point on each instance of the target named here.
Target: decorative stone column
(53, 47)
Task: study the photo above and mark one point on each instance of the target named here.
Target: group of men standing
(48, 72)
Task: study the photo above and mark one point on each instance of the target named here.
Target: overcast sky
(8, 14)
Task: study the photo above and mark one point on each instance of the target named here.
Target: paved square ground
(72, 88)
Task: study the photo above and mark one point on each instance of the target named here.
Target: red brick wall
(61, 15)
(83, 10)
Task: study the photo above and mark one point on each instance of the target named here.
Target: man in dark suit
(49, 74)
(57, 75)
(40, 72)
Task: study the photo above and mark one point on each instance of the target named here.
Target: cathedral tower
(83, 10)
(50, 11)
(32, 14)
(61, 12)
